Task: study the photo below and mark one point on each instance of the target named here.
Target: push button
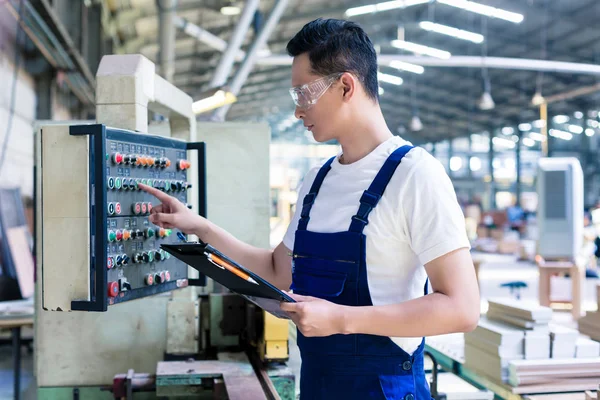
(111, 182)
(111, 208)
(113, 289)
(167, 276)
(144, 208)
(119, 235)
(118, 183)
(149, 279)
(406, 365)
(409, 396)
(136, 208)
(117, 158)
(112, 236)
(118, 208)
(110, 262)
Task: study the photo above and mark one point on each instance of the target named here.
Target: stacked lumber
(555, 373)
(590, 324)
(530, 317)
(490, 348)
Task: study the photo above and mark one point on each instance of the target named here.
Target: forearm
(259, 261)
(430, 315)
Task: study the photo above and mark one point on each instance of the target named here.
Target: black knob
(139, 233)
(188, 185)
(157, 162)
(127, 159)
(179, 186)
(157, 278)
(125, 259)
(157, 256)
(163, 162)
(145, 257)
(173, 186)
(137, 258)
(133, 160)
(119, 260)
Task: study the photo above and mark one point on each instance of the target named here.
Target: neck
(363, 135)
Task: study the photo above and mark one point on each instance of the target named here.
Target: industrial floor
(496, 270)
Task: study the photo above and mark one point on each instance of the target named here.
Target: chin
(321, 138)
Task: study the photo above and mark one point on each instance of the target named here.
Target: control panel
(98, 246)
(134, 260)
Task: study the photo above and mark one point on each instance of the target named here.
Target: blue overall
(332, 266)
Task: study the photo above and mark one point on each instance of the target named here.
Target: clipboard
(217, 266)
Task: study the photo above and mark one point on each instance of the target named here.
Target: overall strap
(310, 197)
(373, 194)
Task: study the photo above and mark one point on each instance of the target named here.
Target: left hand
(315, 317)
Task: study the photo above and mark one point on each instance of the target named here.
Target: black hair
(335, 45)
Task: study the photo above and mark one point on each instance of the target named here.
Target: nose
(299, 113)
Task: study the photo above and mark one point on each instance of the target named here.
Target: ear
(349, 86)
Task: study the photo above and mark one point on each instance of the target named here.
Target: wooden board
(18, 241)
(496, 315)
(527, 310)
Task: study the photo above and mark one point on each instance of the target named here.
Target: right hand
(172, 213)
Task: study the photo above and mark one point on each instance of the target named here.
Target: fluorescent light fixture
(475, 164)
(524, 127)
(217, 99)
(540, 123)
(529, 142)
(383, 6)
(590, 132)
(560, 119)
(578, 114)
(381, 91)
(404, 66)
(391, 79)
(576, 129)
(515, 138)
(593, 123)
(507, 130)
(455, 163)
(484, 10)
(538, 137)
(230, 10)
(420, 49)
(557, 133)
(502, 142)
(450, 31)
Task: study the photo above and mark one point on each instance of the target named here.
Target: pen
(181, 237)
(223, 264)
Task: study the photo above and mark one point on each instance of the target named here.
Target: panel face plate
(136, 266)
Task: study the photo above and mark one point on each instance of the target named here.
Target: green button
(118, 183)
(107, 156)
(112, 236)
(168, 233)
(150, 256)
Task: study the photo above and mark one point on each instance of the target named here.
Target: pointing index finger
(163, 197)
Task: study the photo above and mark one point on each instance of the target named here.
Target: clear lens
(307, 95)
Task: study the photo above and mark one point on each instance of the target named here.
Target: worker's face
(320, 99)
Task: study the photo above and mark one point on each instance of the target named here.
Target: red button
(167, 276)
(113, 289)
(119, 235)
(137, 208)
(144, 208)
(110, 263)
(117, 158)
(118, 208)
(149, 280)
(149, 207)
(163, 276)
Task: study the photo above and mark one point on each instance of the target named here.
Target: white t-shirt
(417, 220)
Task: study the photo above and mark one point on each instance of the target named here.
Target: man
(361, 257)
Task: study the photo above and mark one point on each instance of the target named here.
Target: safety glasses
(306, 96)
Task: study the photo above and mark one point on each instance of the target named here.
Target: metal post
(16, 342)
(518, 167)
(166, 36)
(235, 43)
(544, 117)
(252, 55)
(491, 165)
